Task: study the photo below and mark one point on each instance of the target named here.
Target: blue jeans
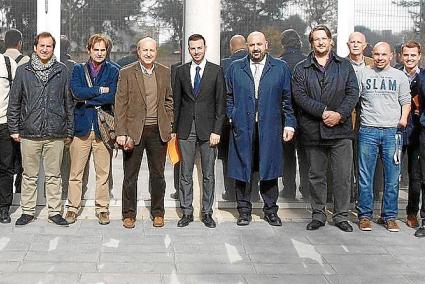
(371, 140)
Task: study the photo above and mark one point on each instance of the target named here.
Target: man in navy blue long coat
(260, 110)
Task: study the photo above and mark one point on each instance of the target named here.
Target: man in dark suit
(260, 109)
(198, 118)
(292, 54)
(143, 116)
(238, 50)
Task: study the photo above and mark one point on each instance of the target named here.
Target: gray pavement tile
(359, 258)
(366, 279)
(208, 248)
(350, 249)
(415, 278)
(292, 248)
(233, 256)
(53, 267)
(56, 245)
(12, 255)
(210, 268)
(6, 228)
(91, 255)
(139, 267)
(45, 278)
(293, 268)
(67, 239)
(113, 278)
(282, 279)
(138, 248)
(202, 279)
(11, 242)
(202, 240)
(285, 258)
(411, 259)
(136, 257)
(316, 238)
(8, 266)
(406, 249)
(370, 268)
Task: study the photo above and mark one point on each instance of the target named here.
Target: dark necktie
(197, 81)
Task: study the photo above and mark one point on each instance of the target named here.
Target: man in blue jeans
(385, 105)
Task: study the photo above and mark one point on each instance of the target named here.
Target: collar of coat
(311, 62)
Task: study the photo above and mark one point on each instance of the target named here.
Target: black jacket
(207, 108)
(41, 110)
(315, 91)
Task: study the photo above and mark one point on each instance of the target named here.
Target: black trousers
(6, 167)
(268, 188)
(415, 190)
(292, 150)
(156, 151)
(339, 155)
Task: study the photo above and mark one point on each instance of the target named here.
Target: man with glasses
(325, 89)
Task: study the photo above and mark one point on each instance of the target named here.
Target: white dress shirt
(193, 70)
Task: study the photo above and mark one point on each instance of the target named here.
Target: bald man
(237, 47)
(260, 109)
(356, 45)
(143, 116)
(384, 108)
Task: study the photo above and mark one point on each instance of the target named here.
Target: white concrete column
(203, 17)
(345, 25)
(49, 20)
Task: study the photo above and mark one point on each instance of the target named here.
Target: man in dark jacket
(238, 50)
(93, 85)
(291, 44)
(411, 53)
(325, 90)
(40, 116)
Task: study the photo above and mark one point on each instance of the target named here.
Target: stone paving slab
(34, 277)
(285, 279)
(87, 252)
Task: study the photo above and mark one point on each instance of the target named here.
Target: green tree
(21, 15)
(80, 18)
(319, 12)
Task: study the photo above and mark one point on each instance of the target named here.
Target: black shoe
(4, 216)
(24, 220)
(58, 220)
(208, 221)
(244, 219)
(273, 219)
(185, 220)
(174, 195)
(344, 226)
(314, 225)
(420, 233)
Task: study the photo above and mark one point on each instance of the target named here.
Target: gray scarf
(42, 70)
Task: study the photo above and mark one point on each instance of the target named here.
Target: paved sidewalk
(87, 252)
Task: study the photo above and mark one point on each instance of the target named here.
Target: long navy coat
(274, 112)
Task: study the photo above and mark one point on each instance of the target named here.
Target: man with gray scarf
(40, 117)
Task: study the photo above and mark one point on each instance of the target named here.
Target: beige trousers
(79, 152)
(32, 151)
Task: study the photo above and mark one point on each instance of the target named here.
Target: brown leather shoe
(412, 221)
(103, 218)
(128, 223)
(365, 224)
(71, 217)
(158, 221)
(391, 225)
